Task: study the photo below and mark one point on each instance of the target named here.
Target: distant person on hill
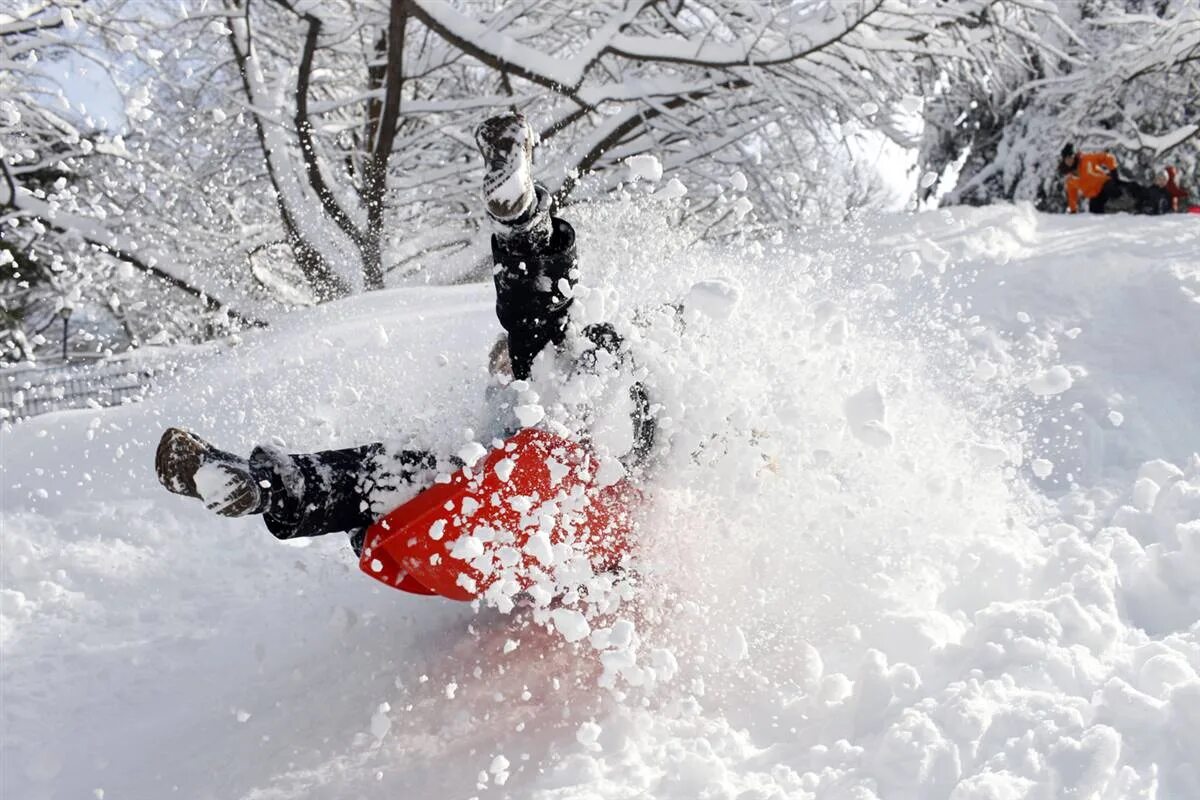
(1167, 180)
(1088, 175)
(1094, 176)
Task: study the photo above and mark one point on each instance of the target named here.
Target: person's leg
(1157, 200)
(520, 208)
(1099, 203)
(329, 491)
(1071, 184)
(536, 267)
(188, 465)
(534, 252)
(298, 494)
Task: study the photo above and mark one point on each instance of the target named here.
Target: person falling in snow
(1090, 176)
(1095, 176)
(300, 495)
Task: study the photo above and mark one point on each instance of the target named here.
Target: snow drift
(929, 527)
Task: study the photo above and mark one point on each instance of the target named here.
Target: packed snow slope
(929, 528)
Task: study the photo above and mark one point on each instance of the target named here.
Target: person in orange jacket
(1088, 175)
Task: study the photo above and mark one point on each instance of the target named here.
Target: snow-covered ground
(948, 547)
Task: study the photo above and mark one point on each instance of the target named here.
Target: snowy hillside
(949, 549)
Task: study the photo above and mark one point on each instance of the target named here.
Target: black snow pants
(317, 493)
(1121, 195)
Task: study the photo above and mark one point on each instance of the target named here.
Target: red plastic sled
(536, 492)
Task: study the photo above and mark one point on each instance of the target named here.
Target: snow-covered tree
(363, 112)
(1103, 74)
(264, 153)
(77, 272)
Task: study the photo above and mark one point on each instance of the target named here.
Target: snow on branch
(119, 247)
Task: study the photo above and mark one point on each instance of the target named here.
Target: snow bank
(929, 527)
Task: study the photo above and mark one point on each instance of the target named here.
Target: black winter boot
(506, 144)
(190, 466)
(519, 206)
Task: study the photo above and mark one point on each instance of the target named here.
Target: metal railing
(27, 391)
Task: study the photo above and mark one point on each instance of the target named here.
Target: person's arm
(1098, 165)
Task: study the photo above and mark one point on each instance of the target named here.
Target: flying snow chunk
(866, 415)
(985, 370)
(466, 548)
(741, 208)
(874, 433)
(471, 452)
(672, 190)
(664, 663)
(1116, 418)
(933, 255)
(570, 623)
(835, 688)
(928, 179)
(714, 298)
(1042, 468)
(988, 455)
(610, 471)
(646, 167)
(866, 405)
(529, 415)
(381, 723)
(1145, 492)
(539, 546)
(1055, 380)
(504, 469)
(588, 735)
(735, 646)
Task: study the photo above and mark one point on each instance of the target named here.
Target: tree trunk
(382, 121)
(323, 281)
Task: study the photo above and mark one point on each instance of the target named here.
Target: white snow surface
(929, 528)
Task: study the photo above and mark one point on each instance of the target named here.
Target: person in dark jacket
(311, 494)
